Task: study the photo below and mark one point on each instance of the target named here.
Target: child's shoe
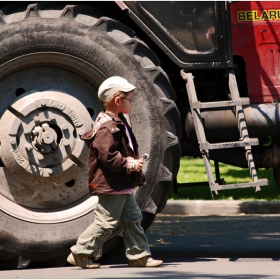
(145, 262)
(82, 261)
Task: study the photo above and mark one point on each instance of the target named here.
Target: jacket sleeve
(107, 147)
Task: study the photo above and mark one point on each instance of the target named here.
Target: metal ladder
(244, 141)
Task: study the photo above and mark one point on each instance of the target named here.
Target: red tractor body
(255, 37)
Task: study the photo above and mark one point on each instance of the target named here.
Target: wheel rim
(26, 192)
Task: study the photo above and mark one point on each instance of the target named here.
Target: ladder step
(220, 104)
(246, 142)
(260, 182)
(225, 145)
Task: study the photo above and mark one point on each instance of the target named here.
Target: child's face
(126, 103)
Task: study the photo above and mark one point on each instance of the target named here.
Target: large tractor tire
(52, 62)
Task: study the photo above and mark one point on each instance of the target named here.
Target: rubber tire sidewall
(93, 45)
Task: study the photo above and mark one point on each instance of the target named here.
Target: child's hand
(138, 165)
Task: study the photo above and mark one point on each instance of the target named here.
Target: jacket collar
(117, 119)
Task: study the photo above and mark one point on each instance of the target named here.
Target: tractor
(207, 79)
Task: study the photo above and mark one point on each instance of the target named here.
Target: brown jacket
(110, 156)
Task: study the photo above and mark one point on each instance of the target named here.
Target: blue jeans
(110, 210)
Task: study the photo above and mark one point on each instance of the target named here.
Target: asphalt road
(244, 246)
(242, 236)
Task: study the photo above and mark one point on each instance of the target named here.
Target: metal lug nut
(40, 157)
(36, 119)
(28, 148)
(45, 125)
(43, 103)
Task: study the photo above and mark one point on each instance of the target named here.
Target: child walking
(114, 170)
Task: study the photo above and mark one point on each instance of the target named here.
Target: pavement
(220, 207)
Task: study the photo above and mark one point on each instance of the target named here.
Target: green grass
(193, 170)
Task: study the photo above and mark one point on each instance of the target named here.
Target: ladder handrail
(205, 146)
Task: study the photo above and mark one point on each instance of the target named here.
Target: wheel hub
(45, 138)
(41, 147)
